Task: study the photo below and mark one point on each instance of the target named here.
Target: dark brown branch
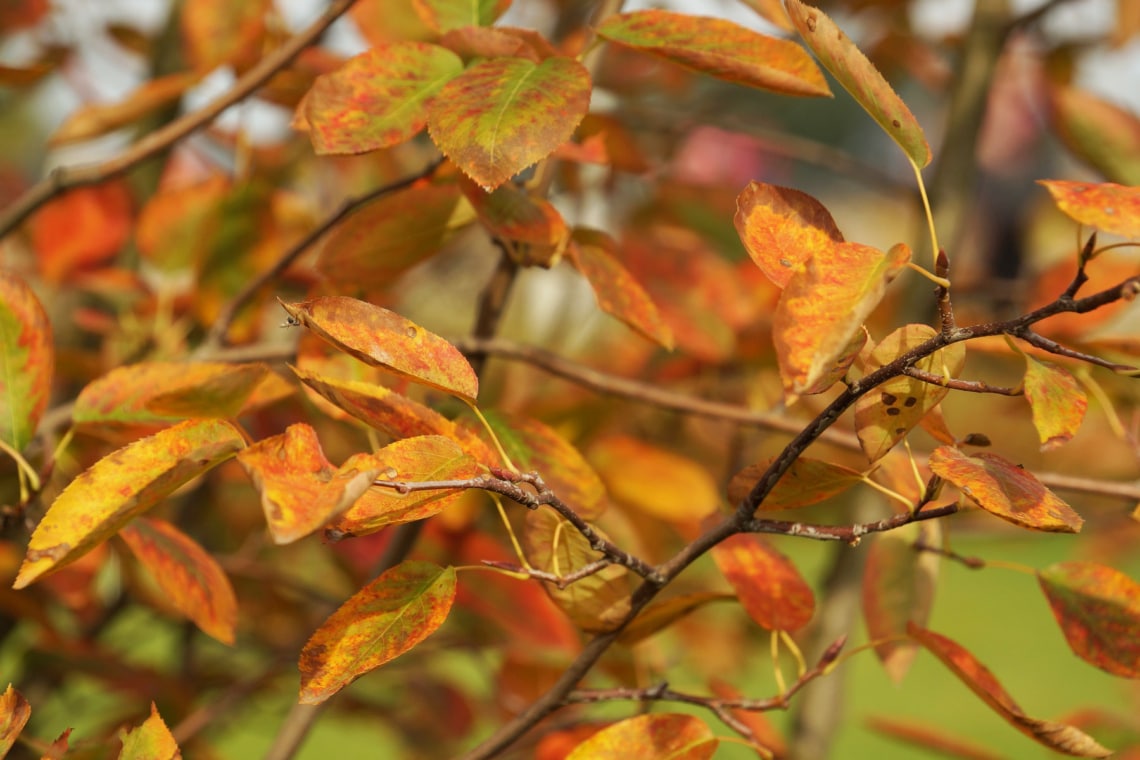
(942, 292)
(65, 178)
(970, 386)
(1053, 347)
(849, 534)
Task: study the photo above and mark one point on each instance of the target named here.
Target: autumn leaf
(382, 621)
(1098, 609)
(150, 741)
(719, 48)
(446, 15)
(380, 241)
(1056, 736)
(122, 485)
(27, 361)
(594, 255)
(1103, 134)
(926, 737)
(771, 11)
(14, 714)
(782, 228)
(1004, 489)
(595, 603)
(859, 77)
(768, 585)
(511, 213)
(657, 736)
(190, 579)
(653, 481)
(178, 226)
(807, 482)
(898, 589)
(81, 228)
(99, 119)
(383, 338)
(218, 32)
(1106, 206)
(377, 99)
(886, 414)
(502, 115)
(824, 304)
(660, 615)
(474, 42)
(1057, 401)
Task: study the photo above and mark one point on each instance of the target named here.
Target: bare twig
(1053, 347)
(849, 534)
(560, 581)
(970, 386)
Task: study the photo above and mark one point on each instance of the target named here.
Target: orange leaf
(1057, 401)
(859, 77)
(653, 481)
(510, 213)
(122, 485)
(773, 12)
(781, 228)
(658, 736)
(81, 228)
(719, 48)
(660, 615)
(380, 622)
(1098, 609)
(14, 714)
(593, 254)
(885, 415)
(94, 120)
(1004, 489)
(383, 338)
(190, 579)
(445, 15)
(768, 585)
(1112, 208)
(411, 460)
(379, 242)
(377, 99)
(218, 32)
(1056, 736)
(806, 482)
(27, 361)
(150, 741)
(938, 739)
(898, 589)
(178, 226)
(502, 115)
(824, 305)
(595, 603)
(1103, 134)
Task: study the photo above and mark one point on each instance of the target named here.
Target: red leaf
(1055, 736)
(380, 622)
(659, 736)
(81, 228)
(383, 338)
(150, 741)
(1004, 489)
(1098, 609)
(1105, 206)
(939, 740)
(189, 578)
(14, 714)
(782, 228)
(768, 585)
(1057, 401)
(27, 361)
(510, 213)
(719, 48)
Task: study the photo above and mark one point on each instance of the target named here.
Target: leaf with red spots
(502, 115)
(190, 579)
(1004, 489)
(859, 77)
(1106, 206)
(383, 338)
(1057, 401)
(807, 482)
(719, 48)
(1056, 736)
(1101, 133)
(99, 119)
(27, 361)
(445, 15)
(886, 414)
(898, 588)
(379, 242)
(377, 99)
(121, 486)
(81, 228)
(1098, 609)
(824, 305)
(594, 254)
(14, 714)
(769, 587)
(781, 228)
(380, 622)
(150, 741)
(658, 736)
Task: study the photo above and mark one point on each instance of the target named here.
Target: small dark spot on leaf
(893, 411)
(889, 398)
(895, 123)
(900, 431)
(910, 401)
(811, 22)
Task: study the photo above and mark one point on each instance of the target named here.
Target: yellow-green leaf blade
(719, 48)
(859, 77)
(380, 622)
(1056, 400)
(27, 360)
(502, 115)
(659, 736)
(807, 482)
(122, 485)
(769, 587)
(151, 740)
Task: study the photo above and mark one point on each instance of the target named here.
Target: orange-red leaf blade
(769, 587)
(781, 228)
(1098, 609)
(1106, 206)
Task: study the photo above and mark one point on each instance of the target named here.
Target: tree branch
(970, 386)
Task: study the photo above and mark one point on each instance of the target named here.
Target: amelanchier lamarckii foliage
(219, 399)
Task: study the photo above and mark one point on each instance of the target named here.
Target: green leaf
(27, 360)
(501, 116)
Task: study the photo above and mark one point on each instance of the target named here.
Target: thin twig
(848, 534)
(1053, 347)
(974, 563)
(970, 386)
(560, 581)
